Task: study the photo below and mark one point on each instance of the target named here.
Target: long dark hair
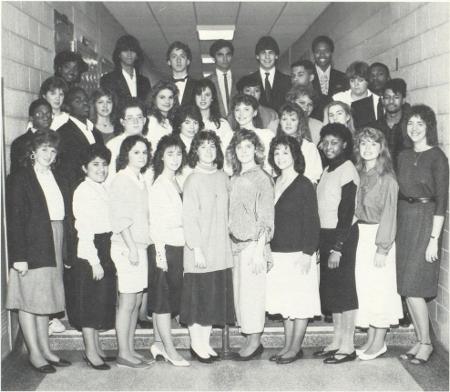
(294, 147)
(151, 100)
(166, 142)
(214, 111)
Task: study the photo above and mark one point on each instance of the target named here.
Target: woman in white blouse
(293, 122)
(165, 270)
(94, 275)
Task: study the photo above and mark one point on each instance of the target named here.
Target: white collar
(320, 72)
(83, 127)
(263, 72)
(128, 76)
(221, 73)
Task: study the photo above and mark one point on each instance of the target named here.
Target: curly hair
(94, 151)
(214, 111)
(166, 142)
(295, 149)
(342, 132)
(238, 137)
(200, 138)
(384, 162)
(303, 125)
(150, 100)
(427, 115)
(40, 138)
(182, 113)
(350, 123)
(125, 148)
(96, 95)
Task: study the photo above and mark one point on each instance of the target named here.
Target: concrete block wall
(28, 50)
(412, 39)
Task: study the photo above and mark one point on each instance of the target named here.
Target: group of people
(216, 201)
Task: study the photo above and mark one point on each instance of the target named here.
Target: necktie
(227, 93)
(267, 88)
(324, 84)
(179, 80)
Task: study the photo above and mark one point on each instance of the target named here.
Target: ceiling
(157, 24)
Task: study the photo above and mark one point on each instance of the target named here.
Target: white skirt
(289, 292)
(130, 278)
(379, 304)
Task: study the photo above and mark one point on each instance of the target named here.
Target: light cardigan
(313, 162)
(155, 131)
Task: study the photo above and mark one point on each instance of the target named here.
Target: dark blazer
(281, 85)
(364, 113)
(71, 147)
(30, 235)
(115, 81)
(188, 95)
(18, 151)
(214, 79)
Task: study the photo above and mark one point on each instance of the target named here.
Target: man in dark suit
(275, 84)
(222, 51)
(125, 81)
(179, 57)
(69, 66)
(327, 80)
(379, 75)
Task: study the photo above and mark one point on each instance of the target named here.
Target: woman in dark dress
(423, 180)
(93, 303)
(37, 202)
(165, 263)
(336, 194)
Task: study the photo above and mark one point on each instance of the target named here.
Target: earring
(32, 156)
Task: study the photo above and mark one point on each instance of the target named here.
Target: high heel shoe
(194, 355)
(102, 366)
(157, 352)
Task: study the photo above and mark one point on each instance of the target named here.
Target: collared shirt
(85, 128)
(271, 73)
(59, 120)
(52, 193)
(324, 79)
(131, 82)
(221, 81)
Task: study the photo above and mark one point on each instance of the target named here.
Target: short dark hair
(179, 45)
(294, 147)
(248, 81)
(397, 85)
(52, 83)
(36, 103)
(199, 138)
(130, 103)
(245, 99)
(343, 133)
(126, 146)
(93, 151)
(381, 65)
(66, 56)
(124, 43)
(325, 39)
(182, 113)
(267, 43)
(358, 69)
(429, 118)
(39, 138)
(308, 65)
(164, 143)
(68, 97)
(219, 44)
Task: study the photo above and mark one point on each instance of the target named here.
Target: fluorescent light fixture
(206, 74)
(207, 59)
(213, 32)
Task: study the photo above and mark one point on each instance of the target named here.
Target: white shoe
(156, 351)
(55, 326)
(368, 357)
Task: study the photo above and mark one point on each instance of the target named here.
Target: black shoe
(328, 318)
(47, 369)
(215, 358)
(60, 363)
(194, 355)
(405, 322)
(103, 366)
(274, 358)
(324, 353)
(345, 358)
(285, 361)
(255, 354)
(108, 358)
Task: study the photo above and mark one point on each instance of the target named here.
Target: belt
(412, 200)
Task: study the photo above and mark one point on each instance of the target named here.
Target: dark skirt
(92, 303)
(165, 287)
(208, 298)
(415, 276)
(337, 286)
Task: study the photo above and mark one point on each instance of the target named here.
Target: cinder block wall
(28, 50)
(413, 40)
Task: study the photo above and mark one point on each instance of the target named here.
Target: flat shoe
(194, 355)
(255, 354)
(345, 358)
(325, 353)
(368, 357)
(121, 362)
(274, 358)
(108, 358)
(406, 356)
(60, 363)
(47, 369)
(285, 361)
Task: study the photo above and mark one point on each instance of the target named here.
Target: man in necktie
(179, 58)
(222, 51)
(275, 83)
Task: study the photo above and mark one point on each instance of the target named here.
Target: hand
(334, 259)
(200, 261)
(21, 267)
(431, 253)
(380, 260)
(97, 272)
(133, 256)
(304, 263)
(161, 262)
(258, 263)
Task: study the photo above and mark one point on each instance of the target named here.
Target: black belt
(412, 200)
